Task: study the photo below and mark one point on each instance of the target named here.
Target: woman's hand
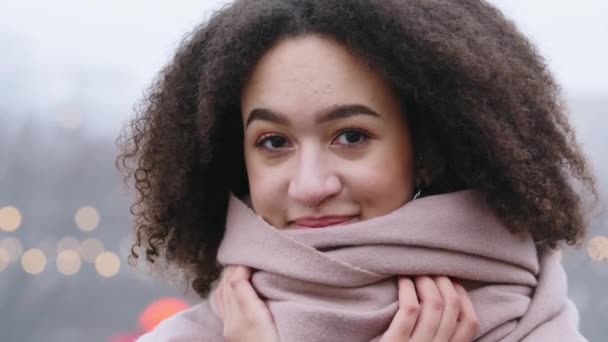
(432, 309)
(245, 316)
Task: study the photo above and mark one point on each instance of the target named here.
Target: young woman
(386, 169)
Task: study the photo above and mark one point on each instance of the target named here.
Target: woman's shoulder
(198, 323)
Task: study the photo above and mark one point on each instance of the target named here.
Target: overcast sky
(132, 39)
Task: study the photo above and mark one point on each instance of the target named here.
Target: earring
(417, 194)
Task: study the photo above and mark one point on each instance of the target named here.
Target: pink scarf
(339, 283)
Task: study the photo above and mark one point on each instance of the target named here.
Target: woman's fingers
(431, 309)
(404, 320)
(245, 296)
(247, 300)
(468, 323)
(238, 296)
(218, 297)
(227, 296)
(219, 293)
(246, 316)
(451, 309)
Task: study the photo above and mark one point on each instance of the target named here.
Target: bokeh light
(4, 259)
(33, 261)
(10, 219)
(87, 218)
(68, 242)
(68, 262)
(598, 248)
(159, 310)
(90, 249)
(107, 264)
(13, 247)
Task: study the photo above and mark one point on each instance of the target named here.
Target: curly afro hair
(484, 110)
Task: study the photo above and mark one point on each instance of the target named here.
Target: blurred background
(70, 73)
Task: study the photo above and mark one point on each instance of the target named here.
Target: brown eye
(273, 142)
(351, 137)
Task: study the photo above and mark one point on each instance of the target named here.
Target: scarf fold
(340, 283)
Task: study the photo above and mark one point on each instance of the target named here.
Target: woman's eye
(273, 142)
(351, 137)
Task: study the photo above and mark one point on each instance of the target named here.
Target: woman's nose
(313, 181)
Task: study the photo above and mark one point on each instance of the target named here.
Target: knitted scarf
(340, 283)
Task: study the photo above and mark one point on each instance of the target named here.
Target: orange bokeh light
(158, 310)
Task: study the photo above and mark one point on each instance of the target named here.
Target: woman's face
(325, 139)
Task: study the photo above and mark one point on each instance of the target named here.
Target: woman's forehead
(310, 74)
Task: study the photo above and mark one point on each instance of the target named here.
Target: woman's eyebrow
(264, 114)
(334, 113)
(344, 111)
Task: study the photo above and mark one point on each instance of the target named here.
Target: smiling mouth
(325, 221)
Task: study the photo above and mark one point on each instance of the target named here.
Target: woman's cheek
(268, 188)
(380, 187)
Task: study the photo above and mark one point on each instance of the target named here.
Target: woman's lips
(324, 221)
